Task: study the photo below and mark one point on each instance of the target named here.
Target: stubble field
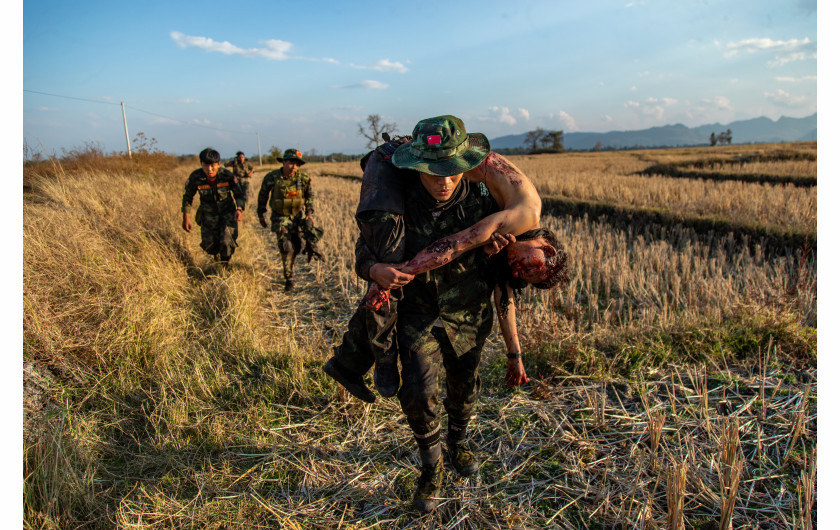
(673, 380)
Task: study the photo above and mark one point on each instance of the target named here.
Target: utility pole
(125, 124)
(259, 151)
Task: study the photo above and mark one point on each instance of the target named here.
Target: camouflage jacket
(240, 169)
(221, 196)
(297, 188)
(458, 293)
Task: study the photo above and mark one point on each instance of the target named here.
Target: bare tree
(533, 137)
(374, 129)
(553, 140)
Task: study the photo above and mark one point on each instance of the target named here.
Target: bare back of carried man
(535, 259)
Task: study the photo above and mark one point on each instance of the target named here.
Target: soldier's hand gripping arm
(520, 211)
(383, 276)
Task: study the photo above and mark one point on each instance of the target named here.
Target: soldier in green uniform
(292, 207)
(220, 207)
(379, 216)
(242, 170)
(444, 314)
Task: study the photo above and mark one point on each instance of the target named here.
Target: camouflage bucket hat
(292, 154)
(441, 146)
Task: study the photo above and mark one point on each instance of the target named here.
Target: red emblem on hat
(298, 153)
(433, 139)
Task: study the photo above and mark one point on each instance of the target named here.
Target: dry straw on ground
(176, 394)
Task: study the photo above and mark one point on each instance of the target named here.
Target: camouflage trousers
(244, 183)
(421, 367)
(422, 359)
(292, 232)
(218, 234)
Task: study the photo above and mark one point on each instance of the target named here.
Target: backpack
(383, 184)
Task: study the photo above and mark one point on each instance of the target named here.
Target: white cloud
(158, 120)
(503, 115)
(275, 50)
(367, 84)
(780, 97)
(652, 107)
(44, 109)
(788, 79)
(718, 102)
(722, 103)
(607, 118)
(633, 88)
(524, 113)
(569, 123)
(783, 51)
(384, 65)
(188, 100)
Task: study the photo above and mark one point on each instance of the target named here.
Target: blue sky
(304, 74)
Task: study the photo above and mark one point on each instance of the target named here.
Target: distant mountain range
(756, 130)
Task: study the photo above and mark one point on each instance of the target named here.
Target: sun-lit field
(674, 377)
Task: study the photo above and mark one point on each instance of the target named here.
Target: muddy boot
(460, 456)
(386, 375)
(353, 383)
(427, 494)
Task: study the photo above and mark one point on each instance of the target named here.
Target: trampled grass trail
(166, 392)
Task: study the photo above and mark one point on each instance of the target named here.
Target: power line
(140, 110)
(71, 97)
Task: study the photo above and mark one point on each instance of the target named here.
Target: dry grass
(613, 178)
(179, 395)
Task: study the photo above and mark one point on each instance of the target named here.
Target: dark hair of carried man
(558, 264)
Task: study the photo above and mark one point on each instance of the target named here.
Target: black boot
(289, 286)
(460, 456)
(353, 383)
(427, 494)
(386, 375)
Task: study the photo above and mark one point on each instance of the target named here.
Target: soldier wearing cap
(242, 170)
(220, 207)
(292, 206)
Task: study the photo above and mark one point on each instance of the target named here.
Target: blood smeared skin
(377, 296)
(504, 308)
(497, 163)
(444, 250)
